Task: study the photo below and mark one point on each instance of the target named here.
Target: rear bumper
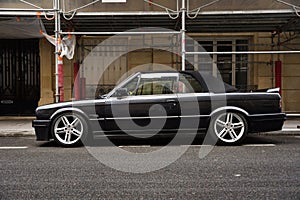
(266, 123)
(42, 129)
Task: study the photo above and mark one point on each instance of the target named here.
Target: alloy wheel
(230, 127)
(68, 129)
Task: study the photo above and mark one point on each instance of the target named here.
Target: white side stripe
(5, 148)
(259, 145)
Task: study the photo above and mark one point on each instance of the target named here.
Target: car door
(195, 103)
(151, 107)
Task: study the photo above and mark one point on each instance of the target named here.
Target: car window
(131, 86)
(162, 83)
(155, 86)
(188, 84)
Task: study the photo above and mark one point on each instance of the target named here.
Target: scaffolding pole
(183, 16)
(121, 33)
(242, 52)
(57, 36)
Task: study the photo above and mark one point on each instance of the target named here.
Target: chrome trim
(229, 108)
(190, 116)
(68, 109)
(156, 117)
(97, 119)
(267, 114)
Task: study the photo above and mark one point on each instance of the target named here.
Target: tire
(69, 129)
(228, 128)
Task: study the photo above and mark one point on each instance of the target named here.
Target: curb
(282, 132)
(17, 118)
(13, 133)
(16, 126)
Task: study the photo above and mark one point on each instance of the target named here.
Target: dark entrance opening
(19, 76)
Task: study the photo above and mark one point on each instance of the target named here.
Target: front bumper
(266, 123)
(42, 129)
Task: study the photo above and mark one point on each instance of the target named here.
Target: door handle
(172, 101)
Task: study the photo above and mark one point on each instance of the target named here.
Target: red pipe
(61, 78)
(278, 74)
(76, 81)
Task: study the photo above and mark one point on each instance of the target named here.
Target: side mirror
(120, 92)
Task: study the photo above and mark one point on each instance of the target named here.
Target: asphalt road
(264, 167)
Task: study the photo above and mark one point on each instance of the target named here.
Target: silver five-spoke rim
(229, 127)
(68, 129)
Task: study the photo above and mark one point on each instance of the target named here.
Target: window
(232, 67)
(224, 62)
(241, 67)
(162, 83)
(154, 86)
(132, 85)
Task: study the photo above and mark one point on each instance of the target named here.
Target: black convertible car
(154, 104)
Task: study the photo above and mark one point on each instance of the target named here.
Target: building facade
(261, 28)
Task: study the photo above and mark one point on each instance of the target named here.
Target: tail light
(280, 103)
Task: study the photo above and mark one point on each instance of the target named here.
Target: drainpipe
(278, 68)
(278, 72)
(61, 79)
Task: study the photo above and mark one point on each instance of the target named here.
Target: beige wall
(264, 74)
(291, 80)
(47, 74)
(261, 72)
(102, 64)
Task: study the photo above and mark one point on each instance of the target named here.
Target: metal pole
(121, 33)
(243, 52)
(57, 31)
(183, 15)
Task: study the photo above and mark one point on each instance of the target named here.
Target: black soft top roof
(211, 83)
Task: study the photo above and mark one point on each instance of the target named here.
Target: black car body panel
(262, 110)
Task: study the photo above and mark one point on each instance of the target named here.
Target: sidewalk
(291, 126)
(16, 126)
(21, 126)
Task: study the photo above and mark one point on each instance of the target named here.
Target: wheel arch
(73, 110)
(230, 109)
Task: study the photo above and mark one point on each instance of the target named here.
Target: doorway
(19, 76)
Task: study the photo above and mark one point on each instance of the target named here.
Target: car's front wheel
(69, 129)
(228, 128)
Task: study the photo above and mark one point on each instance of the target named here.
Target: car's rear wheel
(69, 129)
(228, 128)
